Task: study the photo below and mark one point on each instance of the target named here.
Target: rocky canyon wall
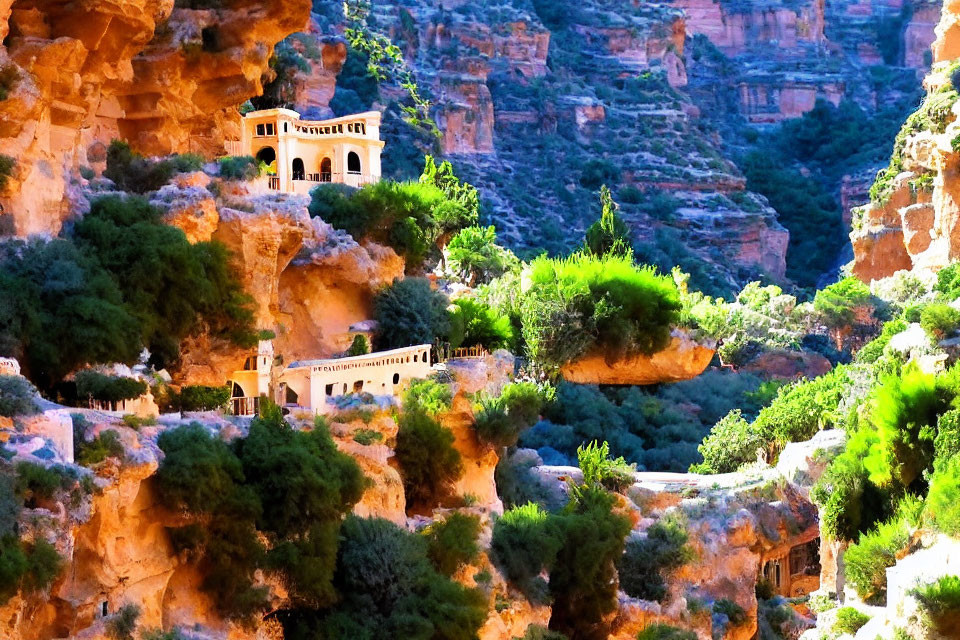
(165, 78)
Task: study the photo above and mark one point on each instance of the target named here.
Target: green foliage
(452, 542)
(202, 398)
(583, 579)
(174, 288)
(837, 304)
(359, 347)
(35, 483)
(7, 165)
(388, 589)
(605, 303)
(130, 171)
(107, 444)
(609, 234)
(429, 463)
(59, 310)
(940, 603)
(462, 193)
(27, 568)
(474, 255)
(939, 320)
(287, 488)
(238, 168)
(867, 561)
(660, 631)
(948, 282)
(943, 500)
(731, 443)
(849, 620)
(499, 421)
(123, 624)
(525, 543)
(410, 217)
(409, 312)
(367, 436)
(98, 386)
(473, 323)
(597, 172)
(734, 613)
(287, 64)
(17, 396)
(427, 396)
(600, 470)
(646, 561)
(536, 632)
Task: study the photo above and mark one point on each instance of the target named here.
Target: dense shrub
(867, 561)
(943, 500)
(733, 612)
(536, 632)
(60, 310)
(409, 312)
(599, 469)
(519, 483)
(132, 172)
(203, 398)
(597, 172)
(429, 463)
(388, 589)
(17, 396)
(288, 489)
(359, 347)
(731, 443)
(452, 542)
(500, 421)
(474, 256)
(849, 620)
(473, 323)
(948, 282)
(107, 444)
(583, 303)
(645, 561)
(238, 168)
(939, 321)
(427, 396)
(7, 164)
(98, 386)
(173, 287)
(525, 543)
(123, 624)
(660, 631)
(947, 443)
(940, 603)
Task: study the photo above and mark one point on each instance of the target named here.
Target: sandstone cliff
(163, 77)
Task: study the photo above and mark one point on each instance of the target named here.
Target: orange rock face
(683, 359)
(137, 69)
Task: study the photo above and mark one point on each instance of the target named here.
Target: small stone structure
(310, 384)
(9, 367)
(306, 153)
(795, 572)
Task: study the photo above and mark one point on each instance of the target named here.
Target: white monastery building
(305, 153)
(312, 384)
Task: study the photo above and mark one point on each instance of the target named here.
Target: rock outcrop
(166, 79)
(682, 359)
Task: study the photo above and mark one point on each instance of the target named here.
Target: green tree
(359, 347)
(409, 312)
(429, 463)
(609, 234)
(474, 255)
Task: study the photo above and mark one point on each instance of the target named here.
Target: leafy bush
(939, 321)
(429, 463)
(427, 396)
(731, 443)
(409, 312)
(367, 436)
(599, 469)
(389, 589)
(475, 257)
(473, 323)
(499, 421)
(609, 234)
(238, 168)
(525, 542)
(173, 288)
(92, 384)
(584, 303)
(940, 602)
(660, 631)
(123, 624)
(17, 396)
(35, 482)
(27, 568)
(359, 347)
(597, 172)
(518, 483)
(536, 632)
(7, 164)
(106, 445)
(838, 303)
(943, 500)
(734, 613)
(645, 560)
(452, 542)
(948, 282)
(132, 172)
(849, 620)
(867, 560)
(947, 443)
(202, 398)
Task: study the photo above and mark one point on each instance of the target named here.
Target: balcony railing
(273, 182)
(245, 406)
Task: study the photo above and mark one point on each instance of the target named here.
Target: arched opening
(237, 391)
(353, 162)
(291, 397)
(297, 169)
(266, 155)
(396, 378)
(358, 386)
(326, 170)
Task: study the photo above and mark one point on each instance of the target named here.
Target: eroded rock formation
(683, 359)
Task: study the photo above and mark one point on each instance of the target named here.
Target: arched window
(298, 170)
(326, 170)
(266, 155)
(291, 397)
(396, 378)
(353, 162)
(237, 391)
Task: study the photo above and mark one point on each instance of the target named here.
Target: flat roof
(267, 113)
(376, 355)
